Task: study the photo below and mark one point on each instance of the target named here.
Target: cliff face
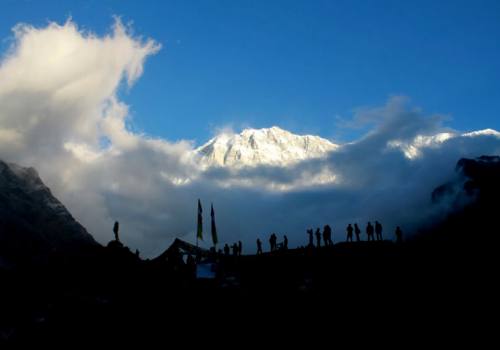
(33, 222)
(478, 179)
(474, 197)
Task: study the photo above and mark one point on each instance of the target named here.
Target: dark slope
(33, 223)
(444, 279)
(475, 195)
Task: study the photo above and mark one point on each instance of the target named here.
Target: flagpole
(197, 223)
(199, 228)
(213, 227)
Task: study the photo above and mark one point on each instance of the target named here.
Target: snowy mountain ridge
(268, 146)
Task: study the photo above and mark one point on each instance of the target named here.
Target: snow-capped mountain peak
(268, 146)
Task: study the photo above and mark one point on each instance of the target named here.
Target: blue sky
(296, 64)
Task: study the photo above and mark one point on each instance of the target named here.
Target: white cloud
(58, 101)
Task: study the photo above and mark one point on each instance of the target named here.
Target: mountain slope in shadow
(475, 197)
(33, 223)
(111, 294)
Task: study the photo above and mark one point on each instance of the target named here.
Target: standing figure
(285, 242)
(369, 232)
(226, 249)
(349, 230)
(318, 237)
(357, 231)
(378, 230)
(399, 235)
(327, 236)
(240, 248)
(116, 228)
(272, 242)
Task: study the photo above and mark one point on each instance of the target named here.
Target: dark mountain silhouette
(474, 195)
(477, 180)
(110, 294)
(33, 223)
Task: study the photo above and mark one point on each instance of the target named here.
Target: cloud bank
(60, 112)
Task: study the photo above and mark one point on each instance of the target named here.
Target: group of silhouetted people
(273, 244)
(326, 235)
(237, 249)
(318, 238)
(373, 233)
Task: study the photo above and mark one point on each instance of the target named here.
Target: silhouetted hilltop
(33, 222)
(109, 293)
(474, 196)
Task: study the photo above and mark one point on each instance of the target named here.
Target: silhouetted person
(235, 249)
(272, 242)
(137, 253)
(357, 231)
(259, 246)
(226, 249)
(369, 232)
(116, 228)
(378, 230)
(240, 248)
(318, 237)
(349, 230)
(285, 242)
(399, 235)
(311, 238)
(327, 236)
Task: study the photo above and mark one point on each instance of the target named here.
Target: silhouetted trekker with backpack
(259, 246)
(327, 236)
(226, 249)
(116, 228)
(240, 248)
(357, 231)
(235, 249)
(349, 230)
(378, 230)
(399, 235)
(318, 237)
(311, 238)
(369, 232)
(285, 242)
